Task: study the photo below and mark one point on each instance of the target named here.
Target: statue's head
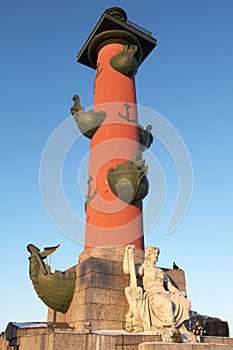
(151, 254)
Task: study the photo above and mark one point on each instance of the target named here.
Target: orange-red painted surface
(109, 221)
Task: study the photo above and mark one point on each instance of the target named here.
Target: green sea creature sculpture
(89, 121)
(76, 106)
(125, 62)
(128, 180)
(56, 289)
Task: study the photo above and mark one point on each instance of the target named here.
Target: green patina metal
(113, 37)
(128, 180)
(88, 122)
(54, 289)
(76, 106)
(145, 137)
(125, 62)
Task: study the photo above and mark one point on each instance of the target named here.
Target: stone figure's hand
(140, 271)
(130, 248)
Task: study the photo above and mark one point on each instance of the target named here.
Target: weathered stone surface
(103, 324)
(107, 340)
(4, 345)
(177, 277)
(81, 341)
(219, 340)
(93, 264)
(117, 268)
(126, 347)
(110, 253)
(36, 342)
(184, 346)
(117, 297)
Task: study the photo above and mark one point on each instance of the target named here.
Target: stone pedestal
(99, 301)
(33, 339)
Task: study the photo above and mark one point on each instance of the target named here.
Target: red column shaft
(110, 221)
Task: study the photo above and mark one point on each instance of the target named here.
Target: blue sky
(188, 79)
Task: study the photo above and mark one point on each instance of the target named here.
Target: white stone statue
(157, 307)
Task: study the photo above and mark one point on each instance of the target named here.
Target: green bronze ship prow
(56, 289)
(128, 181)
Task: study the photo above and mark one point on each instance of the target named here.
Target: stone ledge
(218, 340)
(110, 253)
(106, 340)
(183, 346)
(109, 340)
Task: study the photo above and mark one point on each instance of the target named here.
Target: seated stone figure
(159, 307)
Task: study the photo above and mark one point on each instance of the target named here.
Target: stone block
(107, 312)
(117, 267)
(107, 324)
(110, 253)
(94, 264)
(99, 341)
(219, 340)
(4, 345)
(126, 347)
(100, 280)
(127, 339)
(132, 339)
(98, 296)
(91, 295)
(82, 313)
(83, 282)
(79, 326)
(62, 341)
(183, 346)
(37, 342)
(177, 277)
(117, 297)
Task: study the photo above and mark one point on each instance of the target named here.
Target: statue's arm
(126, 262)
(171, 287)
(140, 271)
(128, 258)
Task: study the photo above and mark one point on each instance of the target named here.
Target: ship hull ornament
(128, 180)
(89, 121)
(125, 62)
(145, 136)
(54, 289)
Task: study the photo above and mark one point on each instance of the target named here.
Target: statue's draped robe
(160, 307)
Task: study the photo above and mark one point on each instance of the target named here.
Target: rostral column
(117, 180)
